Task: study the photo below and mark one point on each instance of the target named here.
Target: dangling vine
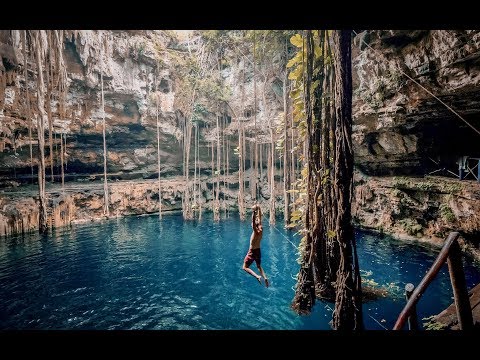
(322, 112)
(106, 207)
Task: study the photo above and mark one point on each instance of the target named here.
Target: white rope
(429, 92)
(285, 237)
(377, 322)
(326, 305)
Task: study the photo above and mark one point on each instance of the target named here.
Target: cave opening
(444, 142)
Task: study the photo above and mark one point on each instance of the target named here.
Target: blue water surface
(142, 273)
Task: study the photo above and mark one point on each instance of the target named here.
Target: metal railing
(470, 168)
(451, 254)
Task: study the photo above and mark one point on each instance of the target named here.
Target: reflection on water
(139, 273)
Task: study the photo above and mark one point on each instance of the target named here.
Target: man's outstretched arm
(254, 213)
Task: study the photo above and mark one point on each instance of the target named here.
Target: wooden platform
(448, 317)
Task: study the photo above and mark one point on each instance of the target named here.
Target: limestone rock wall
(131, 62)
(424, 209)
(399, 129)
(398, 126)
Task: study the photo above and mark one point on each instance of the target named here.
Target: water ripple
(135, 273)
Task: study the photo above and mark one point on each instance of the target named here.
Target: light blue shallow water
(139, 273)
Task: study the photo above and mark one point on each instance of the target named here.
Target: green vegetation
(425, 186)
(412, 227)
(432, 324)
(403, 183)
(400, 183)
(397, 193)
(452, 188)
(199, 113)
(373, 290)
(366, 281)
(446, 213)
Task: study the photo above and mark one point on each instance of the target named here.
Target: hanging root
(304, 298)
(216, 211)
(187, 204)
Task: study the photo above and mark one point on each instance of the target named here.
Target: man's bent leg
(246, 267)
(263, 274)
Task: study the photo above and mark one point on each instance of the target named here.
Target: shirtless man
(254, 250)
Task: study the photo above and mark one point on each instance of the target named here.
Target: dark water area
(142, 273)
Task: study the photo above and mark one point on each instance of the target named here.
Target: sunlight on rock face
(183, 34)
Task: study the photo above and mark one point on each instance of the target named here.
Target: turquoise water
(139, 273)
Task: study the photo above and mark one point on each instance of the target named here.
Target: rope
(429, 92)
(295, 246)
(379, 323)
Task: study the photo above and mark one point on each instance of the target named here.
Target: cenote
(143, 273)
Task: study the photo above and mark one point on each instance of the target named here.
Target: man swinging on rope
(254, 249)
